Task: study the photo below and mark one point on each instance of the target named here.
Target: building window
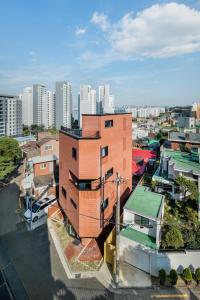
(109, 173)
(104, 204)
(64, 192)
(43, 166)
(74, 152)
(73, 203)
(48, 147)
(104, 151)
(109, 123)
(142, 221)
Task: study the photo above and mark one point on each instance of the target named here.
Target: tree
(9, 154)
(187, 187)
(197, 275)
(162, 276)
(173, 276)
(187, 275)
(173, 238)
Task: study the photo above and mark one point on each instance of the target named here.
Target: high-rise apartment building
(40, 105)
(51, 100)
(27, 106)
(63, 104)
(89, 161)
(86, 101)
(105, 102)
(196, 110)
(10, 115)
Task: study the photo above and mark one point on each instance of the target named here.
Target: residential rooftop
(189, 137)
(139, 237)
(42, 159)
(144, 202)
(183, 161)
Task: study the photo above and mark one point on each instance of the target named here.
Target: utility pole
(117, 181)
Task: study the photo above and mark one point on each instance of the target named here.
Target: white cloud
(32, 53)
(80, 31)
(100, 20)
(162, 30)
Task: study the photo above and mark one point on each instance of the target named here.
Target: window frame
(108, 123)
(144, 222)
(102, 204)
(109, 174)
(64, 192)
(43, 166)
(74, 153)
(73, 203)
(106, 151)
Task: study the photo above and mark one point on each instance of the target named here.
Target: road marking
(171, 296)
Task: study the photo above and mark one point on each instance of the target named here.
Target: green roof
(144, 202)
(139, 237)
(182, 161)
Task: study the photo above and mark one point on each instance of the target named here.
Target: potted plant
(187, 276)
(162, 276)
(173, 276)
(197, 275)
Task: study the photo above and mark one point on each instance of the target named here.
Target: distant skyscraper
(10, 115)
(51, 97)
(27, 106)
(105, 102)
(86, 101)
(40, 105)
(63, 104)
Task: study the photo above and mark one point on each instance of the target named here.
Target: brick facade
(81, 163)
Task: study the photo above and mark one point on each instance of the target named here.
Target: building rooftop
(42, 159)
(190, 137)
(78, 133)
(27, 138)
(47, 139)
(144, 202)
(139, 237)
(183, 161)
(108, 114)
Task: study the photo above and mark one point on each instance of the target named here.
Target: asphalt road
(34, 269)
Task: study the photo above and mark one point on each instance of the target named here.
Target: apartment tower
(63, 104)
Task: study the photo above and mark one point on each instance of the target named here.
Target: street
(34, 261)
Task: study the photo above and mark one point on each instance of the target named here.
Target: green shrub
(173, 276)
(162, 276)
(197, 274)
(187, 275)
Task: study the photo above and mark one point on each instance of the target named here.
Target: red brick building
(88, 158)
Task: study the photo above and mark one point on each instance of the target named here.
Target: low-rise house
(142, 160)
(178, 140)
(49, 146)
(23, 140)
(174, 164)
(143, 213)
(142, 217)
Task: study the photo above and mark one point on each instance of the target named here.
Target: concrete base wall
(152, 261)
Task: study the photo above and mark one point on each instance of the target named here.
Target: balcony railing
(80, 134)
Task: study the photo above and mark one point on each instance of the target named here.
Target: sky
(148, 51)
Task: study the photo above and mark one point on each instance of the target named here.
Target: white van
(39, 209)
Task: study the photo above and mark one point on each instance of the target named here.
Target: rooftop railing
(79, 134)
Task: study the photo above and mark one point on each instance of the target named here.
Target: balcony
(80, 134)
(85, 185)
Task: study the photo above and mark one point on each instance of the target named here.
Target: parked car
(39, 209)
